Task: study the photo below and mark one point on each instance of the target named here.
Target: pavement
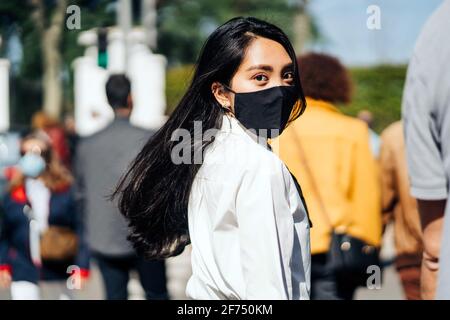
(179, 269)
(391, 287)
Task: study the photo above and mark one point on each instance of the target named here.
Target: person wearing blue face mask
(32, 165)
(41, 231)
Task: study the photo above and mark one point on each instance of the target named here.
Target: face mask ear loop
(228, 88)
(224, 108)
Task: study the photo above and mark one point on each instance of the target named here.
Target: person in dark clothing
(100, 161)
(72, 136)
(40, 198)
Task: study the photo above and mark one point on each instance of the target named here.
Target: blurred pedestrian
(52, 127)
(71, 134)
(101, 159)
(238, 205)
(9, 155)
(426, 118)
(330, 154)
(42, 236)
(399, 207)
(367, 117)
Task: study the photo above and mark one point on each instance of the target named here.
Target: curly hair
(324, 78)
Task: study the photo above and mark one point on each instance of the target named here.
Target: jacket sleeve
(365, 197)
(260, 199)
(79, 188)
(4, 240)
(83, 255)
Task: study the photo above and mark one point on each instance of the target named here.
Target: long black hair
(154, 193)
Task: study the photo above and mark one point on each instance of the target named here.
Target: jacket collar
(119, 120)
(310, 102)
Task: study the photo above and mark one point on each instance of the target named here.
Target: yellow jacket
(336, 147)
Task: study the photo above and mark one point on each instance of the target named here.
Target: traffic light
(102, 44)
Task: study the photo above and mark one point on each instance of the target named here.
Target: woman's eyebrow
(288, 66)
(260, 67)
(268, 68)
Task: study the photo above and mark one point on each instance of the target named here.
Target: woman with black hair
(223, 190)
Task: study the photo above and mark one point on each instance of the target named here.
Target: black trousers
(116, 273)
(325, 285)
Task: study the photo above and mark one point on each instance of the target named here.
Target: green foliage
(177, 82)
(26, 89)
(92, 16)
(184, 25)
(378, 89)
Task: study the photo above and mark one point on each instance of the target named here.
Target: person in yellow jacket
(333, 149)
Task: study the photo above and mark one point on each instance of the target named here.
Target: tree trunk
(51, 38)
(302, 25)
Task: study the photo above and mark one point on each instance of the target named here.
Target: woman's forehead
(263, 51)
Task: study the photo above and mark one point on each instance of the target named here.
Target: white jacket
(248, 227)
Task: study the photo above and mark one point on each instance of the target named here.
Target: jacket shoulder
(333, 124)
(123, 129)
(352, 123)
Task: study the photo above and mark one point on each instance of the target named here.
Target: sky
(343, 26)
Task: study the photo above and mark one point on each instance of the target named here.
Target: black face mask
(267, 109)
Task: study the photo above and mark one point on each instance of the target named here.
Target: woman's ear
(222, 96)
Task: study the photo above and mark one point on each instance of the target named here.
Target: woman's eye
(289, 75)
(261, 77)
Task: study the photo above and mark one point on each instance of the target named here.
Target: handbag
(348, 256)
(351, 257)
(58, 243)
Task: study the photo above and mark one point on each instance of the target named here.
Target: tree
(51, 34)
(48, 51)
(183, 25)
(49, 48)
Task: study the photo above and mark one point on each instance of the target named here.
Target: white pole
(88, 39)
(147, 72)
(124, 21)
(117, 51)
(92, 112)
(4, 95)
(148, 21)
